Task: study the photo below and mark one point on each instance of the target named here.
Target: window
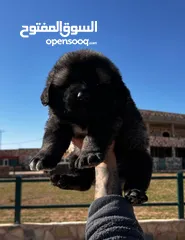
(13, 162)
(6, 162)
(166, 134)
(180, 152)
(161, 152)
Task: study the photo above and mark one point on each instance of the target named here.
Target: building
(17, 158)
(167, 139)
(167, 143)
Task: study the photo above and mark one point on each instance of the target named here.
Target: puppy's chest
(78, 131)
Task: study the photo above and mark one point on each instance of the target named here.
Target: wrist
(107, 180)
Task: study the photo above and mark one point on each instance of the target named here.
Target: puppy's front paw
(67, 182)
(42, 161)
(136, 196)
(88, 160)
(59, 181)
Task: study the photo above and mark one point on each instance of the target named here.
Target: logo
(64, 29)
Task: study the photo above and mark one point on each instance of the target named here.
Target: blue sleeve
(112, 217)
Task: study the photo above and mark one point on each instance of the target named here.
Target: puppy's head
(83, 84)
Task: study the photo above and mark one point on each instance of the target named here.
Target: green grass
(45, 194)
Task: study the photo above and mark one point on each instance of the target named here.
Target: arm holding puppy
(110, 215)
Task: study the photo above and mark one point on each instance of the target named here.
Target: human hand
(106, 174)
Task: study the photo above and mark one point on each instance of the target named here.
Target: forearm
(107, 181)
(111, 215)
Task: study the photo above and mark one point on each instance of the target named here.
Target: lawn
(45, 193)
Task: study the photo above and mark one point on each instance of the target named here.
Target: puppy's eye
(82, 96)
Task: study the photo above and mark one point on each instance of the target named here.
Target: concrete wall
(154, 230)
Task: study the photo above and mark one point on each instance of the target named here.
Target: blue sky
(145, 39)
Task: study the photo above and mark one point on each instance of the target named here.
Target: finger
(110, 157)
(77, 142)
(111, 147)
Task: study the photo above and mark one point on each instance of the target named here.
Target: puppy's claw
(94, 159)
(39, 166)
(36, 165)
(43, 161)
(88, 160)
(32, 165)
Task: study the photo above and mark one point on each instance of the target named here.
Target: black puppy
(87, 98)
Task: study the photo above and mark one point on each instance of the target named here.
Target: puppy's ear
(45, 95)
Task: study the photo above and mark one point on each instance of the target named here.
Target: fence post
(18, 188)
(180, 194)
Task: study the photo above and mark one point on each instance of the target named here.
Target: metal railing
(18, 193)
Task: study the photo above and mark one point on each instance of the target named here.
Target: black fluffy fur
(85, 89)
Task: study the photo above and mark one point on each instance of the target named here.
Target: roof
(149, 115)
(167, 142)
